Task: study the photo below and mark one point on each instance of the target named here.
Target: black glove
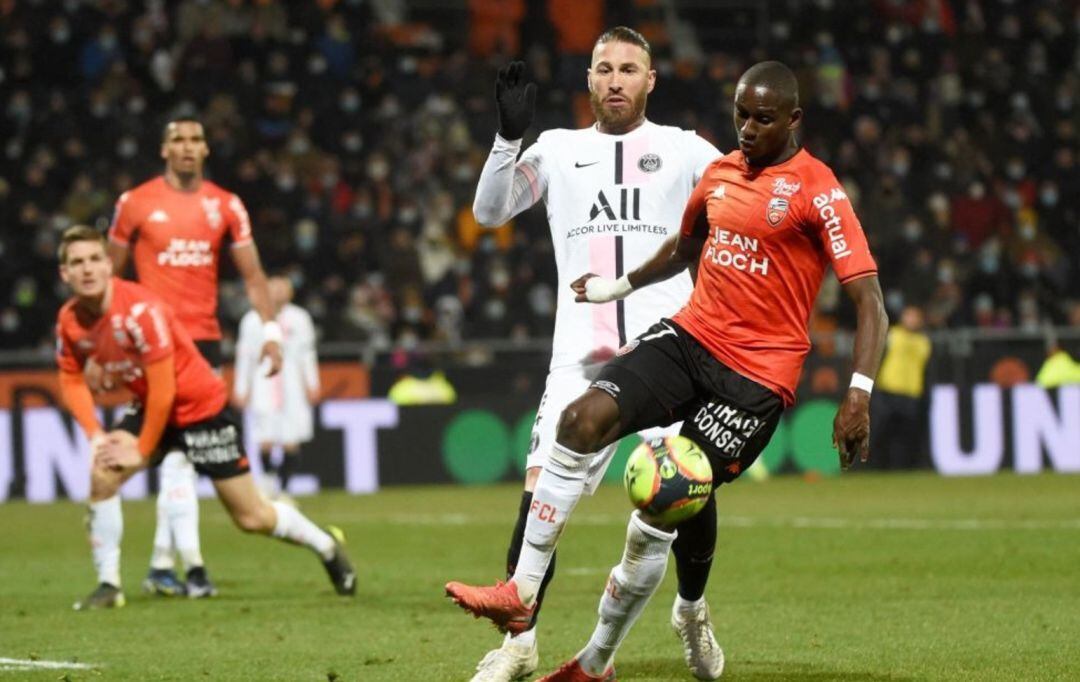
(515, 101)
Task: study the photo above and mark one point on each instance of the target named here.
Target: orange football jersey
(139, 329)
(772, 233)
(179, 245)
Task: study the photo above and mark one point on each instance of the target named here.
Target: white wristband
(602, 289)
(862, 382)
(271, 332)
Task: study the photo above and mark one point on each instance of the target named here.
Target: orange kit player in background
(179, 222)
(181, 406)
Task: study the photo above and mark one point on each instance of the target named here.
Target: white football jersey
(611, 201)
(285, 392)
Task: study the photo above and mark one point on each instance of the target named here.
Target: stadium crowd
(355, 130)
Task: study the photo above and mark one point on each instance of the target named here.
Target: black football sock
(512, 554)
(267, 461)
(289, 461)
(693, 550)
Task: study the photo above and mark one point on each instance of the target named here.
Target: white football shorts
(283, 427)
(563, 386)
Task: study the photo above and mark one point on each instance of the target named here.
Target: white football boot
(511, 661)
(703, 655)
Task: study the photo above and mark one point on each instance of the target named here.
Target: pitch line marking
(24, 664)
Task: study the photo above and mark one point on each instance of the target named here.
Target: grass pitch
(863, 577)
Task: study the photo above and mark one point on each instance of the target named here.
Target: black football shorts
(665, 376)
(215, 445)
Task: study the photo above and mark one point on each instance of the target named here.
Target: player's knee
(255, 520)
(103, 484)
(585, 423)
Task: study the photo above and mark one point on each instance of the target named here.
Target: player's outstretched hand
(271, 352)
(120, 452)
(591, 288)
(578, 285)
(515, 99)
(851, 428)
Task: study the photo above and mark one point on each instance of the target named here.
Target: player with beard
(763, 225)
(614, 194)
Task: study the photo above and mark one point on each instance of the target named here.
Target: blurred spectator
(898, 393)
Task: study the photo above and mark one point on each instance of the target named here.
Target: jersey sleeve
(66, 359)
(123, 225)
(238, 220)
(702, 153)
(148, 326)
(508, 186)
(695, 206)
(830, 216)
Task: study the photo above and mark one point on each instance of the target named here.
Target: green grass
(864, 577)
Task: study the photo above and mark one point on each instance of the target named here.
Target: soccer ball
(668, 479)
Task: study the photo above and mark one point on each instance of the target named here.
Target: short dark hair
(625, 34)
(776, 76)
(179, 119)
(78, 233)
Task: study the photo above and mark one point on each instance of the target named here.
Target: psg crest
(649, 163)
(776, 210)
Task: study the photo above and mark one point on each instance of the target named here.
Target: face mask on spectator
(60, 33)
(350, 102)
(9, 320)
(286, 182)
(1011, 198)
(989, 263)
(912, 230)
(378, 170)
(352, 142)
(945, 274)
(408, 215)
(1027, 232)
(361, 210)
(1049, 196)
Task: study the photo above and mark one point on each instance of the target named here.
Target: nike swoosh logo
(584, 165)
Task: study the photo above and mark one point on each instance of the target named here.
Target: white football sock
(628, 590)
(161, 557)
(687, 609)
(106, 530)
(292, 526)
(525, 639)
(558, 489)
(180, 502)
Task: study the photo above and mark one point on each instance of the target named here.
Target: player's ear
(796, 118)
(588, 79)
(652, 80)
(164, 152)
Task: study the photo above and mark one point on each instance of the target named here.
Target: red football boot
(499, 604)
(572, 672)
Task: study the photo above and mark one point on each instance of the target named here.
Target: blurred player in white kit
(281, 405)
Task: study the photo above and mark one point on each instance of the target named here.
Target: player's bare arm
(246, 257)
(118, 254)
(851, 427)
